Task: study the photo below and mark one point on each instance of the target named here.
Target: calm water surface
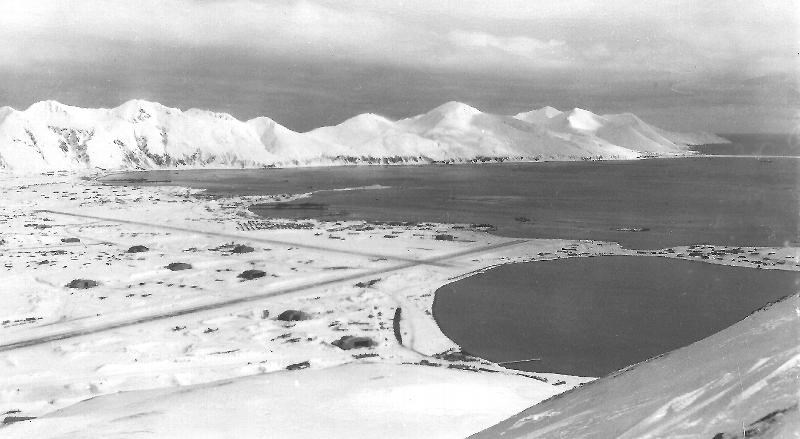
(732, 201)
(592, 316)
(755, 144)
(583, 316)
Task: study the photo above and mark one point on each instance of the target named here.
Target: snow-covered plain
(323, 269)
(139, 134)
(199, 352)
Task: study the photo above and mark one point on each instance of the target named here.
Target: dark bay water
(588, 316)
(755, 144)
(592, 316)
(721, 200)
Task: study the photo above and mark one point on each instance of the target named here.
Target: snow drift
(357, 400)
(146, 135)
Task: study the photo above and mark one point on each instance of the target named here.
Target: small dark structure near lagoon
(352, 342)
(177, 266)
(293, 315)
(241, 248)
(82, 284)
(367, 284)
(12, 419)
(251, 274)
(299, 366)
(137, 249)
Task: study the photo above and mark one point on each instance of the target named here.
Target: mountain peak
(550, 111)
(367, 120)
(140, 134)
(455, 107)
(210, 113)
(138, 110)
(264, 124)
(450, 114)
(584, 120)
(49, 106)
(139, 103)
(262, 120)
(538, 116)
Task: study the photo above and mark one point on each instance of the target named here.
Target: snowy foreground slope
(144, 135)
(354, 400)
(740, 382)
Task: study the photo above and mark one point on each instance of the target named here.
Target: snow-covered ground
(137, 333)
(144, 135)
(365, 399)
(208, 342)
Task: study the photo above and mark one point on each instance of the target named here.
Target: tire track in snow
(241, 300)
(432, 261)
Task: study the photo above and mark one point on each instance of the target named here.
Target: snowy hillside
(625, 130)
(145, 135)
(740, 382)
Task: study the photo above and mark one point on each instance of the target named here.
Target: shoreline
(408, 289)
(514, 293)
(194, 354)
(460, 162)
(551, 217)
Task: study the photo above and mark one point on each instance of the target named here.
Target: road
(64, 335)
(230, 236)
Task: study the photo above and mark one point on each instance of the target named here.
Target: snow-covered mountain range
(144, 135)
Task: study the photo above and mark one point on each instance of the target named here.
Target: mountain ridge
(140, 134)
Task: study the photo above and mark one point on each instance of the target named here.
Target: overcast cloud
(720, 65)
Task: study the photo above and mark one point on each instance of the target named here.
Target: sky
(723, 66)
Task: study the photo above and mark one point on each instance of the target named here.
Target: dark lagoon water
(741, 201)
(592, 316)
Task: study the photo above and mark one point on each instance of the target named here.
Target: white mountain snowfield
(50, 136)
